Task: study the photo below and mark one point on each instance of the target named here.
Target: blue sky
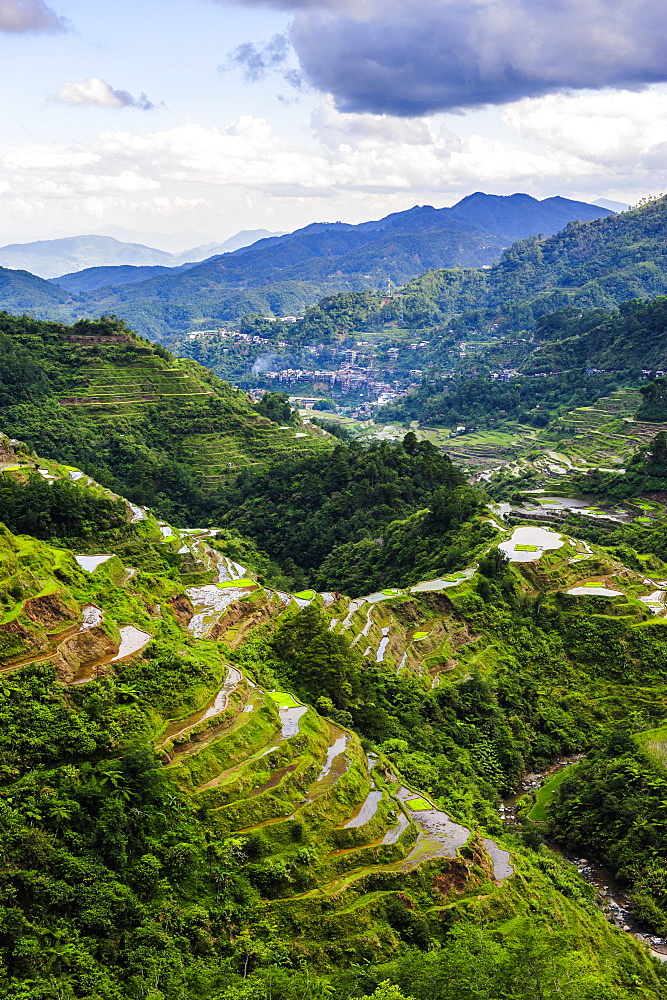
(156, 114)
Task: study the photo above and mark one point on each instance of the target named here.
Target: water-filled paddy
(452, 580)
(90, 563)
(132, 639)
(215, 706)
(366, 810)
(596, 590)
(528, 543)
(655, 601)
(92, 617)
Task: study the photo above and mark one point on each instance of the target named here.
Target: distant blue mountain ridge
(282, 274)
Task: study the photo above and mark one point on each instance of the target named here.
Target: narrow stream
(611, 895)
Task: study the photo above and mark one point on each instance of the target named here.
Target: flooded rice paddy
(92, 617)
(215, 706)
(132, 639)
(536, 541)
(90, 563)
(443, 583)
(598, 591)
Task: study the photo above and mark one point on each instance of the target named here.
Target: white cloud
(618, 128)
(29, 16)
(348, 166)
(98, 92)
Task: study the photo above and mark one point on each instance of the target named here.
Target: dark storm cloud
(410, 57)
(26, 16)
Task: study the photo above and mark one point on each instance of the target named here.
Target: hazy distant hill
(61, 257)
(187, 241)
(50, 258)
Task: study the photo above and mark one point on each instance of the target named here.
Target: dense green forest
(613, 804)
(360, 518)
(630, 337)
(654, 406)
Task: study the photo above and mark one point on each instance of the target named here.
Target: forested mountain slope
(596, 264)
(283, 274)
(164, 431)
(213, 790)
(632, 337)
(22, 292)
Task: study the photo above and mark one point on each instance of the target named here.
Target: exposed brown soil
(49, 611)
(182, 608)
(462, 637)
(241, 612)
(481, 858)
(15, 627)
(453, 879)
(408, 613)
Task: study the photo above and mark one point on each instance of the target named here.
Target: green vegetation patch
(418, 803)
(283, 699)
(391, 592)
(306, 595)
(543, 797)
(245, 582)
(526, 548)
(420, 635)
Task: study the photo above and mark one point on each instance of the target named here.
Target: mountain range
(586, 266)
(284, 274)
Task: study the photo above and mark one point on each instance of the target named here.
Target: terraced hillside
(96, 382)
(607, 433)
(321, 836)
(604, 436)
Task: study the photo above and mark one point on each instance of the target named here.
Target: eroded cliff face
(84, 654)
